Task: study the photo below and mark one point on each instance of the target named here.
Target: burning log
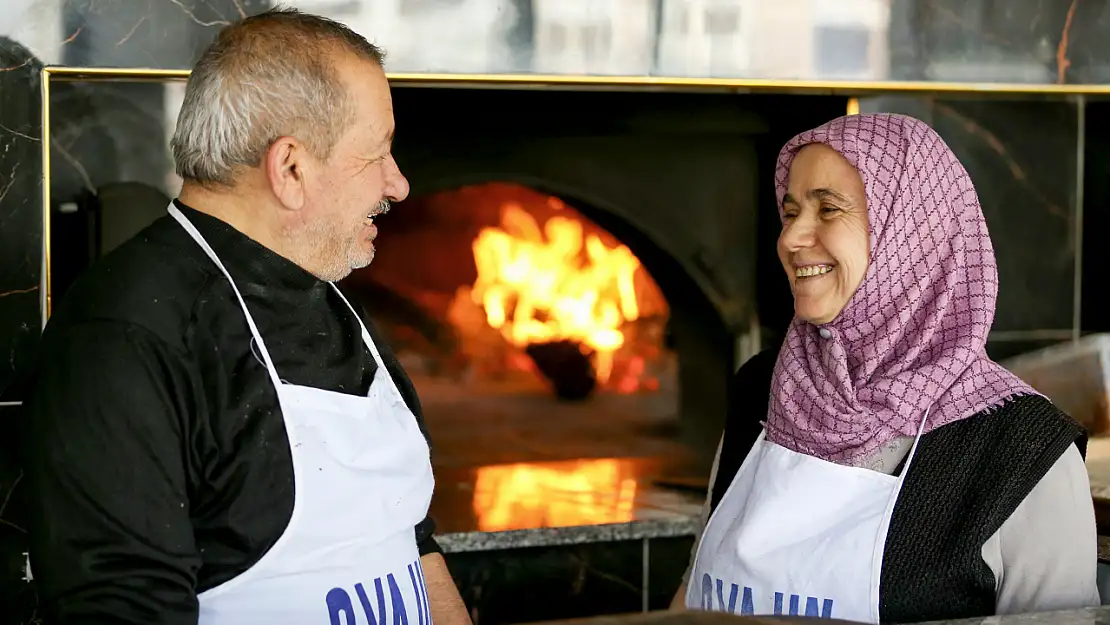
(565, 365)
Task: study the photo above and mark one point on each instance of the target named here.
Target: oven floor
(516, 458)
(474, 426)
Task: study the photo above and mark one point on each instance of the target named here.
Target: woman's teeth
(812, 270)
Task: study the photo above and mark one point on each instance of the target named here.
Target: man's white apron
(797, 535)
(363, 480)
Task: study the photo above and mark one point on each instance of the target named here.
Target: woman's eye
(829, 209)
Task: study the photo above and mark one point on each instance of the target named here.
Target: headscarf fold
(913, 336)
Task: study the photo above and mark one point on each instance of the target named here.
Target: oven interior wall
(682, 178)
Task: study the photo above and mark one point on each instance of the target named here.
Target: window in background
(842, 50)
(415, 7)
(722, 20)
(596, 42)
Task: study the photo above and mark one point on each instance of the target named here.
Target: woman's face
(824, 242)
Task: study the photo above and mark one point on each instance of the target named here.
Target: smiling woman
(893, 470)
(823, 246)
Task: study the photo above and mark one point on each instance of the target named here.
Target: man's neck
(237, 210)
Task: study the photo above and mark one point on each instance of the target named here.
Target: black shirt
(157, 460)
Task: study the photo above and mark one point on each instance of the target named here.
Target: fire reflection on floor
(581, 492)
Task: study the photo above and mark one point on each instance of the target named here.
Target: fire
(555, 284)
(585, 492)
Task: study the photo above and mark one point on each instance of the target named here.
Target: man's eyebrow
(388, 143)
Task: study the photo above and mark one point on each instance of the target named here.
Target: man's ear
(286, 163)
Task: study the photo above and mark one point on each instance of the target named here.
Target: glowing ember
(586, 492)
(554, 284)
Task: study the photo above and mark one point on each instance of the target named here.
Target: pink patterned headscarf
(913, 336)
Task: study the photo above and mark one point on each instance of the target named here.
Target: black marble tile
(102, 135)
(107, 132)
(1022, 157)
(17, 595)
(20, 316)
(20, 208)
(1096, 217)
(1033, 41)
(537, 584)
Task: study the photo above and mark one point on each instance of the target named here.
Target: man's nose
(396, 185)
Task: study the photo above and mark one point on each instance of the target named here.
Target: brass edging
(742, 84)
(44, 288)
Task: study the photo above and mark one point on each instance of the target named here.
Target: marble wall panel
(1095, 304)
(20, 209)
(1033, 41)
(18, 600)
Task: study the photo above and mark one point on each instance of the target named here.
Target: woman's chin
(815, 313)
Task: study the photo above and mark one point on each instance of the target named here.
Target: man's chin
(363, 258)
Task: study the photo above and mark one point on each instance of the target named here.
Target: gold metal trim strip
(555, 80)
(44, 288)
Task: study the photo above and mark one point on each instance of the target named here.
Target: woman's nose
(798, 235)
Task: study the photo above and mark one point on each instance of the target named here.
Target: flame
(555, 284)
(587, 492)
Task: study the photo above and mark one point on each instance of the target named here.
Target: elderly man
(216, 435)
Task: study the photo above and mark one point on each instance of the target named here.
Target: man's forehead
(362, 76)
(373, 104)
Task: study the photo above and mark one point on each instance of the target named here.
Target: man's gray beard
(358, 263)
(326, 254)
(321, 249)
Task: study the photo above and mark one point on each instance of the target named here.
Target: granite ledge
(574, 535)
(1086, 616)
(457, 542)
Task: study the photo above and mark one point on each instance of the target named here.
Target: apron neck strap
(916, 442)
(369, 341)
(266, 360)
(196, 235)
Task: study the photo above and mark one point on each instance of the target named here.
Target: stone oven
(673, 187)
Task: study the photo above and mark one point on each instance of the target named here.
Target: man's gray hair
(266, 76)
